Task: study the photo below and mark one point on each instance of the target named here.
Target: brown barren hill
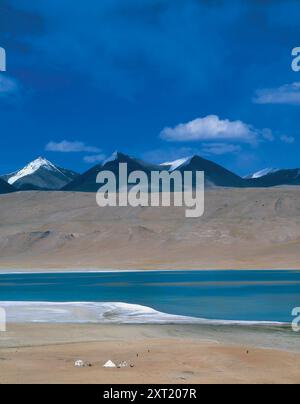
(241, 229)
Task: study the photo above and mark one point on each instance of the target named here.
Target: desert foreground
(241, 228)
(44, 353)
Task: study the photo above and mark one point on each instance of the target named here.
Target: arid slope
(241, 228)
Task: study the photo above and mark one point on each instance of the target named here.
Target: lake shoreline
(110, 313)
(150, 297)
(48, 271)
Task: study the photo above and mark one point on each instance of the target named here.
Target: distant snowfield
(264, 172)
(174, 165)
(102, 313)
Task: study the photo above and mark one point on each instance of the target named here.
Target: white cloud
(8, 86)
(71, 147)
(287, 139)
(219, 149)
(211, 128)
(267, 134)
(98, 158)
(288, 94)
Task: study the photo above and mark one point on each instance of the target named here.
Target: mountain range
(275, 177)
(40, 174)
(5, 188)
(215, 175)
(87, 181)
(43, 175)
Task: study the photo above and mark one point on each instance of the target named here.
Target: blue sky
(158, 79)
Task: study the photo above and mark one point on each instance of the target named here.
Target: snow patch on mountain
(174, 165)
(263, 173)
(113, 157)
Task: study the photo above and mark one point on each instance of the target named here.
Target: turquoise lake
(223, 295)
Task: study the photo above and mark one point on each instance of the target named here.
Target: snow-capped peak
(113, 157)
(41, 162)
(174, 165)
(264, 172)
(31, 168)
(118, 156)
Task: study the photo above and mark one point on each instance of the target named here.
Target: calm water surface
(224, 295)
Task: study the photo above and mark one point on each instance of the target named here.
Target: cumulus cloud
(71, 147)
(287, 139)
(288, 94)
(98, 158)
(211, 128)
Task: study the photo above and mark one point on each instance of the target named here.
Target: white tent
(110, 364)
(79, 364)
